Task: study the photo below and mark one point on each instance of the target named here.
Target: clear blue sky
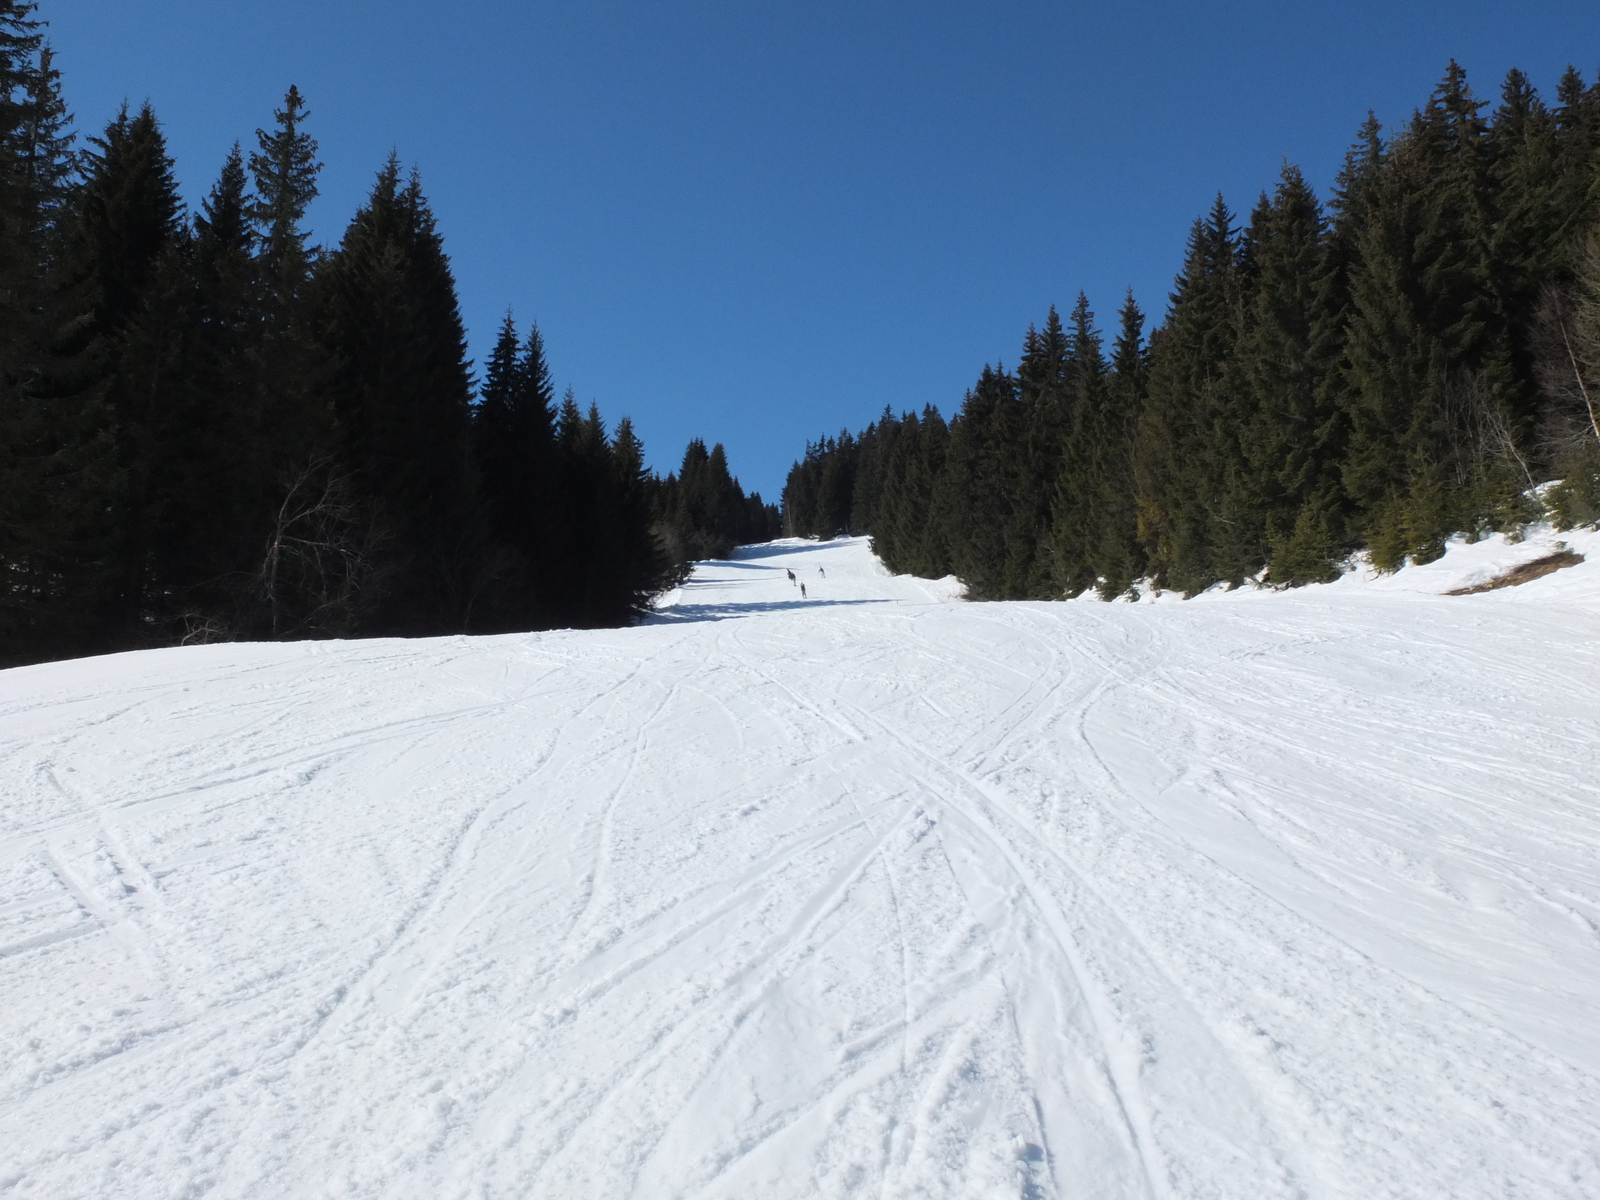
(754, 223)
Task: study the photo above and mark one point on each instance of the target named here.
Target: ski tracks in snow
(882, 897)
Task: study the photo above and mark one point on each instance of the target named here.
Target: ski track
(1256, 896)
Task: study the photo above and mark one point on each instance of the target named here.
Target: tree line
(211, 429)
(1415, 358)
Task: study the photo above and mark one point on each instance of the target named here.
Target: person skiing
(802, 591)
(821, 572)
(791, 576)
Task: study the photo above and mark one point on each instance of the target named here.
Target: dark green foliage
(1116, 558)
(974, 501)
(520, 480)
(402, 394)
(1411, 363)
(1084, 422)
(913, 453)
(57, 465)
(1186, 452)
(1288, 495)
(211, 429)
(129, 235)
(704, 513)
(285, 171)
(1567, 347)
(819, 496)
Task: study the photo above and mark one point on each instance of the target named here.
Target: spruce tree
(402, 390)
(1046, 388)
(1079, 478)
(518, 471)
(642, 567)
(1287, 437)
(292, 399)
(127, 235)
(57, 461)
(973, 498)
(285, 168)
(1425, 316)
(220, 489)
(1181, 448)
(1118, 558)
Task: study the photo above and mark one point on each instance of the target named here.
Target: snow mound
(856, 893)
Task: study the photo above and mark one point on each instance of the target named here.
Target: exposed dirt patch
(1526, 573)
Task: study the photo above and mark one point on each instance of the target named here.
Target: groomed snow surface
(868, 894)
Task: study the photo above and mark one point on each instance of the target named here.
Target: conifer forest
(1418, 357)
(211, 429)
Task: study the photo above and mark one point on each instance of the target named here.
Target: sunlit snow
(871, 893)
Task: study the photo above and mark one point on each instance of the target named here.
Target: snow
(871, 894)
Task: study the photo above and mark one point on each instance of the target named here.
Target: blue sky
(754, 223)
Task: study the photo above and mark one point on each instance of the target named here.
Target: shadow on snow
(721, 612)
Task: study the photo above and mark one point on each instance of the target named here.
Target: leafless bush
(1487, 430)
(1567, 349)
(321, 565)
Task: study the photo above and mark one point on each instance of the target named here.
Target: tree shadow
(681, 613)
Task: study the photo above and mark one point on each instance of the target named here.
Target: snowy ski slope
(873, 894)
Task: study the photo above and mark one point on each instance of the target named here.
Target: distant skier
(802, 591)
(791, 576)
(821, 572)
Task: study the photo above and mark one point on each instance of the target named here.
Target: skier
(791, 576)
(821, 572)
(802, 591)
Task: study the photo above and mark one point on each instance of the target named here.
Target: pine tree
(519, 474)
(974, 496)
(285, 169)
(1079, 476)
(128, 231)
(1425, 314)
(836, 487)
(1287, 438)
(1117, 559)
(1047, 387)
(642, 567)
(1179, 466)
(1577, 154)
(219, 488)
(868, 487)
(402, 391)
(57, 466)
(803, 512)
(292, 401)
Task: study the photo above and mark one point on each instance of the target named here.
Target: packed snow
(866, 893)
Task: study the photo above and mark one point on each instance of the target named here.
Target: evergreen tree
(402, 392)
(1287, 436)
(128, 239)
(518, 467)
(1049, 388)
(1425, 315)
(974, 497)
(1577, 154)
(57, 467)
(285, 169)
(218, 492)
(641, 566)
(1182, 451)
(1116, 558)
(868, 487)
